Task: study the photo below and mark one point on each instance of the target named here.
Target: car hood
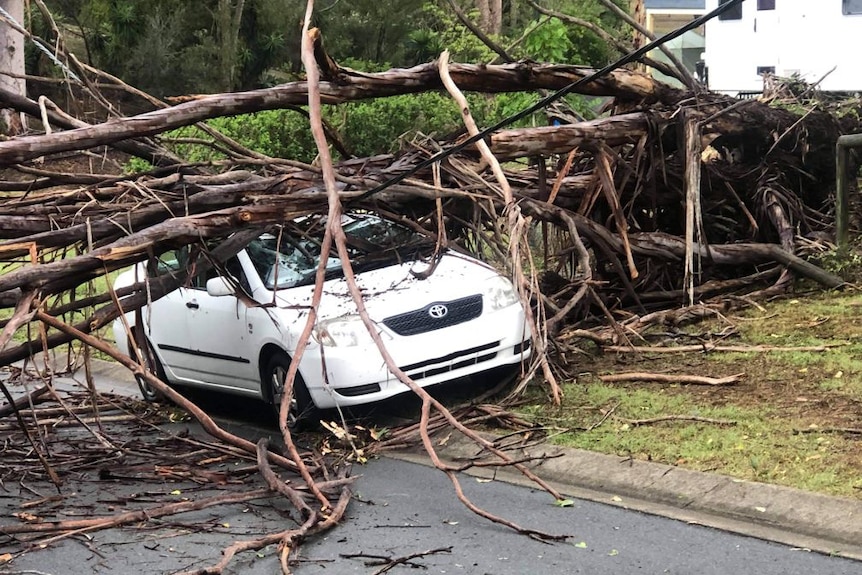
(398, 288)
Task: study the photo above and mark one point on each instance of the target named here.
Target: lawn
(794, 418)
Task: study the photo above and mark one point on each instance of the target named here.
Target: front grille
(436, 315)
(466, 357)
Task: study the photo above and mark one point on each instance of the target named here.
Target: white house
(663, 16)
(811, 39)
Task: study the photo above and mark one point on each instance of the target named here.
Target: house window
(766, 4)
(851, 6)
(734, 13)
(761, 70)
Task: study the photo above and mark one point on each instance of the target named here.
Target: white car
(439, 321)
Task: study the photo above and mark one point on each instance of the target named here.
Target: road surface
(400, 509)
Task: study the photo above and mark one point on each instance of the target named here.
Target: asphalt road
(401, 508)
(404, 508)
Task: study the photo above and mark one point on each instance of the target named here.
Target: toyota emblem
(438, 311)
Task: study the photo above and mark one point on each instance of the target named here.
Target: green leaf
(581, 545)
(564, 503)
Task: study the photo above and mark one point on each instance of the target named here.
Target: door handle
(192, 305)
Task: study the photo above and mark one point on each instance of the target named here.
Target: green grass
(786, 412)
(831, 320)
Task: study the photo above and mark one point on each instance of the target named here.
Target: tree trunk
(639, 15)
(484, 7)
(12, 63)
(495, 16)
(229, 21)
(545, 140)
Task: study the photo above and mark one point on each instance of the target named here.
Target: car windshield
(288, 256)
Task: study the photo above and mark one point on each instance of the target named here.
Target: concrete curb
(790, 516)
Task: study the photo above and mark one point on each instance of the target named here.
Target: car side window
(176, 260)
(232, 267)
(171, 261)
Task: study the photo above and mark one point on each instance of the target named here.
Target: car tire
(303, 412)
(152, 365)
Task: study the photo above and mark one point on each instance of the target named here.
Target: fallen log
(615, 130)
(350, 85)
(736, 254)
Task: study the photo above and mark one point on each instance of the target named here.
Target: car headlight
(344, 331)
(499, 293)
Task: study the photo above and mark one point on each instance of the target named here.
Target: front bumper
(359, 375)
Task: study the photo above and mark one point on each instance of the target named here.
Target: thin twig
(663, 418)
(710, 347)
(668, 378)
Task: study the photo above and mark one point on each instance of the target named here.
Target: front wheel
(154, 366)
(302, 409)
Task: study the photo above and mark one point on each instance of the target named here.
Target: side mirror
(219, 287)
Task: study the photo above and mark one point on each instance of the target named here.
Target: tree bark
(736, 254)
(546, 140)
(495, 16)
(12, 62)
(484, 8)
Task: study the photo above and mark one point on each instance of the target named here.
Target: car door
(204, 339)
(220, 350)
(165, 321)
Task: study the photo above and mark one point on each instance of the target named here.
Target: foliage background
(175, 47)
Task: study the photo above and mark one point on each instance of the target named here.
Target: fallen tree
(596, 220)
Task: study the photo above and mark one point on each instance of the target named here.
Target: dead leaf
(27, 517)
(338, 431)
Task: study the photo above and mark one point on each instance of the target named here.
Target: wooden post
(842, 185)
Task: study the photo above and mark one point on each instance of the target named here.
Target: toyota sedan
(441, 315)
